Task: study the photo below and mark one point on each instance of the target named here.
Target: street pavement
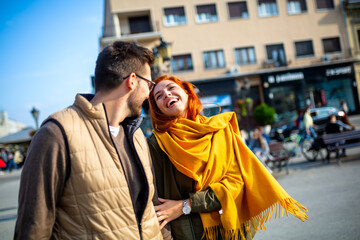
(330, 192)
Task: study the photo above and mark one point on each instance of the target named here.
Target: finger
(163, 224)
(157, 208)
(162, 200)
(161, 218)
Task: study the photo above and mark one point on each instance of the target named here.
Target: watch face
(186, 210)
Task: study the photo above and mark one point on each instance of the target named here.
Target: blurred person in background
(259, 146)
(344, 107)
(335, 126)
(309, 124)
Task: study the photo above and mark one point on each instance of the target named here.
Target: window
(276, 54)
(174, 16)
(182, 63)
(238, 10)
(331, 45)
(139, 24)
(206, 13)
(296, 6)
(267, 8)
(245, 56)
(304, 49)
(214, 59)
(324, 4)
(358, 37)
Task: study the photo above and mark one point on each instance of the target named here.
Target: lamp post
(35, 113)
(162, 62)
(241, 89)
(246, 88)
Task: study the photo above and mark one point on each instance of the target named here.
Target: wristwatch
(186, 208)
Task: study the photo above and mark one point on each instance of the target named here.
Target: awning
(19, 137)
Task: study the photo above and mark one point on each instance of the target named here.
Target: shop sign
(286, 77)
(338, 71)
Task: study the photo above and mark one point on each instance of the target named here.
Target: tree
(264, 114)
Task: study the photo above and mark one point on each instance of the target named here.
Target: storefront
(287, 91)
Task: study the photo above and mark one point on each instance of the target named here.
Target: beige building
(351, 12)
(293, 52)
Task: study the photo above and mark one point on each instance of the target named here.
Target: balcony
(134, 26)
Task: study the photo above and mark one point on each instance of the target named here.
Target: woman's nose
(167, 94)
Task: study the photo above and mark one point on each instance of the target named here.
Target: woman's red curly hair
(160, 121)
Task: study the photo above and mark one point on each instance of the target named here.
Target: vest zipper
(131, 141)
(131, 195)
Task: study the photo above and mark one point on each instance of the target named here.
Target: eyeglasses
(150, 83)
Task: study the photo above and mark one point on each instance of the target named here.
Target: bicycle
(299, 142)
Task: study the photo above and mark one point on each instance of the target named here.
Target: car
(319, 115)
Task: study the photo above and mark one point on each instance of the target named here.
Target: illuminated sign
(286, 77)
(338, 71)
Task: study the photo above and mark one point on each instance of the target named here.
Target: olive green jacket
(172, 184)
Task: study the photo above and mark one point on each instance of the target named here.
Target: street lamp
(247, 88)
(35, 113)
(242, 89)
(162, 56)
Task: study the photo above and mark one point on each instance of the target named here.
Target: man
(335, 126)
(87, 174)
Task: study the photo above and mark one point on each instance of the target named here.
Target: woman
(202, 163)
(259, 146)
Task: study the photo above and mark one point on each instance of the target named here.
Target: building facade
(287, 53)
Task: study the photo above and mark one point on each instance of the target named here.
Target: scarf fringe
(287, 205)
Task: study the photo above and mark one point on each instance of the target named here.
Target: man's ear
(131, 81)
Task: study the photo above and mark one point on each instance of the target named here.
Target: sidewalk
(6, 176)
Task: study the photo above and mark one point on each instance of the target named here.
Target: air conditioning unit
(234, 69)
(269, 63)
(325, 58)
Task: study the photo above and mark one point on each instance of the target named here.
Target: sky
(48, 51)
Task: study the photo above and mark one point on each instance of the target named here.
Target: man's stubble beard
(135, 104)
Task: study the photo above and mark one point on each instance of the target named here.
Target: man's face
(140, 93)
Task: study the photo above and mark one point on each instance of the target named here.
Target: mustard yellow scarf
(210, 151)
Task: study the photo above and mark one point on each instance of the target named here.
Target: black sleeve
(202, 201)
(165, 231)
(42, 183)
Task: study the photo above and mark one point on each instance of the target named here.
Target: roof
(18, 137)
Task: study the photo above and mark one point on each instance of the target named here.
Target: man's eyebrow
(165, 87)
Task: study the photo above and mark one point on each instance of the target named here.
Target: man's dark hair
(117, 61)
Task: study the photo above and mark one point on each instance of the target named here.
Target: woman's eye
(158, 97)
(171, 87)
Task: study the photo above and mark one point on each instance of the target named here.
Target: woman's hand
(168, 210)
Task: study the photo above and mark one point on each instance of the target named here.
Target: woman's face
(171, 99)
(256, 134)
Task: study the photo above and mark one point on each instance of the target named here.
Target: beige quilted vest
(96, 202)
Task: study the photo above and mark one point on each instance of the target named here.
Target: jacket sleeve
(42, 183)
(204, 201)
